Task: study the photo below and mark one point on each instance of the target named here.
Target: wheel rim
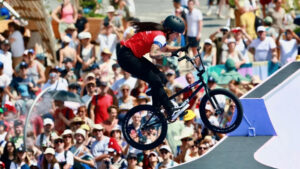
(221, 112)
(144, 128)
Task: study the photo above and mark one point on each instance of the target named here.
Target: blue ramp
(256, 120)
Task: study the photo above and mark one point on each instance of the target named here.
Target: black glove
(184, 48)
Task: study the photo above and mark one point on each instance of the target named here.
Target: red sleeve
(72, 115)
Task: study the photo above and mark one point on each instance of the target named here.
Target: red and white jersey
(141, 42)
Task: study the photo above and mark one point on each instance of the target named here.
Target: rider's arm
(157, 53)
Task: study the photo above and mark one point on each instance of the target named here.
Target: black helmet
(174, 24)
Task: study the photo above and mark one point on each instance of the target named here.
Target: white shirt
(60, 84)
(131, 7)
(17, 47)
(6, 59)
(109, 42)
(263, 49)
(192, 19)
(55, 166)
(99, 148)
(131, 81)
(60, 157)
(184, 3)
(4, 80)
(288, 50)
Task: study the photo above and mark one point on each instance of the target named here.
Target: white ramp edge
(283, 105)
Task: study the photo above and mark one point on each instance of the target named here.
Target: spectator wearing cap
(106, 73)
(65, 15)
(86, 52)
(233, 53)
(108, 39)
(76, 123)
(82, 155)
(194, 26)
(45, 137)
(142, 99)
(166, 154)
(263, 48)
(270, 30)
(212, 83)
(112, 19)
(126, 100)
(9, 154)
(172, 83)
(82, 113)
(100, 146)
(55, 82)
(90, 87)
(16, 42)
(219, 41)
(115, 160)
(21, 160)
(116, 133)
(6, 58)
(117, 73)
(25, 88)
(67, 136)
(132, 161)
(288, 46)
(152, 160)
(49, 160)
(72, 33)
(67, 52)
(17, 139)
(82, 23)
(100, 104)
(242, 39)
(62, 116)
(74, 88)
(192, 152)
(186, 141)
(64, 157)
(208, 55)
(35, 68)
(189, 120)
(112, 121)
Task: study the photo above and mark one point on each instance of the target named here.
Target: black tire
(238, 111)
(126, 123)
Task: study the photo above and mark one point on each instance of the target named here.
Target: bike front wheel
(221, 111)
(144, 127)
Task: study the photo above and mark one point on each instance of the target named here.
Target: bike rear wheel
(144, 127)
(221, 111)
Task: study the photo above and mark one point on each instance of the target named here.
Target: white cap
(116, 128)
(48, 121)
(208, 41)
(261, 29)
(49, 150)
(226, 28)
(231, 40)
(84, 35)
(98, 127)
(81, 131)
(67, 132)
(166, 148)
(66, 39)
(153, 152)
(110, 8)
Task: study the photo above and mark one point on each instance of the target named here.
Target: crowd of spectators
(89, 135)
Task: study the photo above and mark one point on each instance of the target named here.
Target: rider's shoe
(172, 112)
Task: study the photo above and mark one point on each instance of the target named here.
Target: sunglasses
(125, 89)
(58, 141)
(203, 148)
(97, 130)
(193, 146)
(164, 152)
(89, 86)
(187, 139)
(67, 136)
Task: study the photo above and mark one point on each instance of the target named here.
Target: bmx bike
(145, 127)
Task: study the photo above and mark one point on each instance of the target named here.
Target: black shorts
(192, 41)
